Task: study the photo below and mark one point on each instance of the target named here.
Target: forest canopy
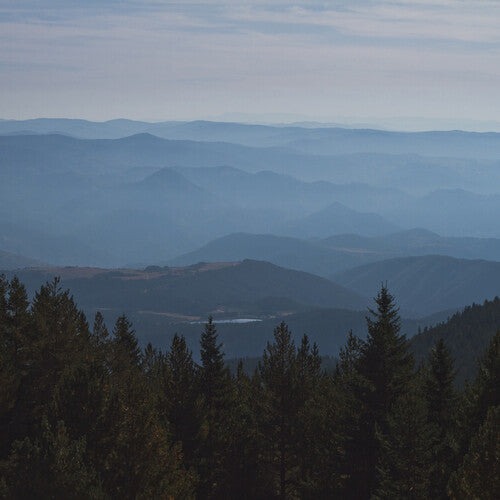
(85, 412)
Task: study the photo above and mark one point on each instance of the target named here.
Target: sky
(267, 60)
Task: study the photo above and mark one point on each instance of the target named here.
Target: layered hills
(427, 284)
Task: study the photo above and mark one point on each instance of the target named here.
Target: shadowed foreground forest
(86, 413)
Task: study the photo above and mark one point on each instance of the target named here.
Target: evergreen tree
(85, 414)
(181, 398)
(485, 392)
(126, 351)
(406, 452)
(309, 415)
(278, 372)
(100, 331)
(244, 442)
(350, 386)
(478, 398)
(50, 466)
(320, 442)
(215, 387)
(479, 474)
(441, 404)
(386, 366)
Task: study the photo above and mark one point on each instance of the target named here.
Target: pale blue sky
(158, 60)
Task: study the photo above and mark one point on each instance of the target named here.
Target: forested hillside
(9, 261)
(466, 333)
(429, 283)
(86, 413)
(224, 289)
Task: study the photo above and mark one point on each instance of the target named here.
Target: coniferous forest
(249, 250)
(86, 413)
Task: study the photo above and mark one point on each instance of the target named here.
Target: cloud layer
(161, 60)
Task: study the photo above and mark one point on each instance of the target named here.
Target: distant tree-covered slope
(415, 242)
(328, 327)
(339, 219)
(427, 284)
(284, 192)
(42, 246)
(10, 261)
(466, 333)
(453, 212)
(294, 253)
(234, 289)
(336, 253)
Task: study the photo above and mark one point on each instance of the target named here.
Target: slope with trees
(429, 283)
(87, 413)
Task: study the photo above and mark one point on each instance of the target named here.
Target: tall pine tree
(385, 364)
(441, 405)
(215, 386)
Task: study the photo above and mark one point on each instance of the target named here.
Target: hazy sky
(101, 59)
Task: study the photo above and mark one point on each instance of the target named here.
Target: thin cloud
(213, 57)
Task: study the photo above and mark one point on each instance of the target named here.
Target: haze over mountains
(326, 256)
(427, 284)
(247, 299)
(350, 207)
(318, 140)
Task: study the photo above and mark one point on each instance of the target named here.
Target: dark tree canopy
(89, 414)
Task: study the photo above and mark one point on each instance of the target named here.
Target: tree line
(87, 413)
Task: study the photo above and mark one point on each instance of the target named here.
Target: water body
(236, 320)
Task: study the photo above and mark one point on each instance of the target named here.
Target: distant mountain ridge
(323, 140)
(161, 301)
(418, 241)
(10, 261)
(467, 334)
(228, 289)
(339, 219)
(427, 284)
(143, 199)
(334, 254)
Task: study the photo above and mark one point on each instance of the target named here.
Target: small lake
(236, 320)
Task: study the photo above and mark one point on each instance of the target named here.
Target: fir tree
(387, 367)
(125, 345)
(479, 474)
(441, 404)
(215, 388)
(99, 330)
(406, 449)
(50, 466)
(181, 398)
(278, 372)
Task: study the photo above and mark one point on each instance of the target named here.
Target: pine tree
(181, 399)
(100, 331)
(278, 374)
(52, 465)
(215, 387)
(126, 352)
(244, 443)
(10, 370)
(485, 392)
(387, 367)
(441, 404)
(350, 387)
(479, 474)
(406, 452)
(309, 414)
(320, 441)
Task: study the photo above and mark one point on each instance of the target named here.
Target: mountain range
(327, 256)
(427, 284)
(327, 140)
(224, 290)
